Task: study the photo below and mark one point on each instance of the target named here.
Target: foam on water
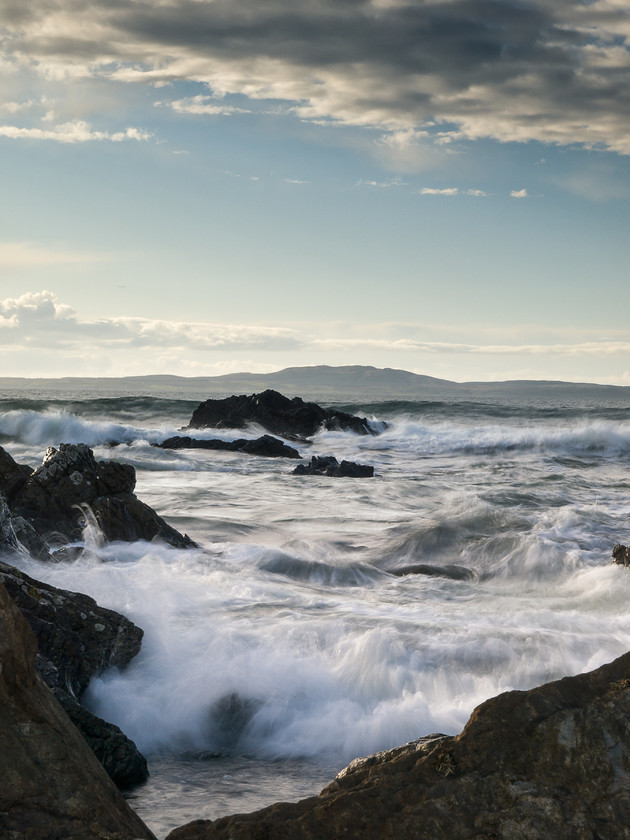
(286, 636)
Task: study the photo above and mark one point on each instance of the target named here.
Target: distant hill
(361, 383)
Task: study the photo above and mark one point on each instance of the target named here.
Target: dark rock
(78, 636)
(266, 446)
(125, 517)
(12, 476)
(552, 762)
(8, 540)
(77, 639)
(30, 539)
(52, 785)
(330, 466)
(621, 555)
(289, 418)
(55, 501)
(450, 571)
(123, 762)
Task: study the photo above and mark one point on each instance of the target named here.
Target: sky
(199, 187)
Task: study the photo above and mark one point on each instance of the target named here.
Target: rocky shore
(551, 762)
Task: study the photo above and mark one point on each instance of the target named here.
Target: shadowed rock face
(52, 785)
(78, 639)
(51, 504)
(276, 413)
(552, 763)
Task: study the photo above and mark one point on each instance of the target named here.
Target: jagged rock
(621, 555)
(266, 446)
(8, 540)
(77, 639)
(329, 465)
(289, 418)
(124, 763)
(55, 500)
(78, 636)
(13, 476)
(30, 539)
(552, 762)
(125, 517)
(52, 784)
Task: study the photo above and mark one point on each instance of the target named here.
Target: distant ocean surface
(283, 647)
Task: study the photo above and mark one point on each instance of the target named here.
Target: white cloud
(202, 105)
(518, 193)
(76, 131)
(444, 191)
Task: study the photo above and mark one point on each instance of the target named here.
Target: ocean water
(284, 647)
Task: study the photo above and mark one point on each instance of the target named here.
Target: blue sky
(203, 186)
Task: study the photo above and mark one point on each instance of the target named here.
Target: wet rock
(55, 501)
(289, 418)
(79, 637)
(266, 446)
(52, 784)
(13, 476)
(126, 518)
(8, 540)
(330, 466)
(552, 762)
(123, 762)
(30, 539)
(621, 555)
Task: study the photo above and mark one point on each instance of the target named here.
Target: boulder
(330, 466)
(52, 784)
(123, 762)
(552, 762)
(77, 639)
(289, 418)
(267, 446)
(53, 503)
(621, 555)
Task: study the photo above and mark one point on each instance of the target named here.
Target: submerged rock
(453, 572)
(267, 446)
(621, 555)
(552, 762)
(52, 784)
(77, 639)
(53, 503)
(289, 418)
(330, 466)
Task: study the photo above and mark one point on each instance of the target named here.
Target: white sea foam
(286, 635)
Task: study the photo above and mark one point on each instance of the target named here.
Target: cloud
(450, 191)
(204, 105)
(442, 71)
(518, 193)
(76, 131)
(16, 255)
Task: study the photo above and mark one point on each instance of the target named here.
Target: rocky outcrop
(51, 505)
(80, 638)
(621, 555)
(289, 418)
(77, 639)
(266, 446)
(330, 466)
(123, 762)
(52, 784)
(553, 762)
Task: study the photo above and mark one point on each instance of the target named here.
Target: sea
(284, 646)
